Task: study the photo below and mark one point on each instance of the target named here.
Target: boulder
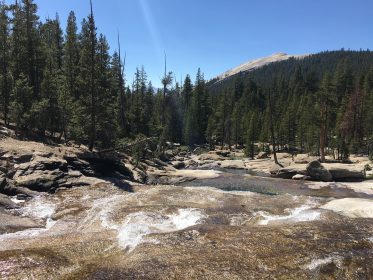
(303, 158)
(318, 172)
(288, 172)
(9, 188)
(262, 155)
(43, 181)
(346, 172)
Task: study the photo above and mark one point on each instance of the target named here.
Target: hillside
(257, 63)
(293, 101)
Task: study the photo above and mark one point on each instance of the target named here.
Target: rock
(208, 156)
(46, 181)
(303, 159)
(74, 174)
(318, 172)
(210, 165)
(233, 164)
(345, 172)
(6, 132)
(10, 223)
(22, 197)
(351, 207)
(6, 202)
(178, 164)
(66, 212)
(288, 172)
(223, 153)
(262, 155)
(22, 158)
(11, 189)
(191, 163)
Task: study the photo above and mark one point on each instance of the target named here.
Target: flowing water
(241, 180)
(211, 230)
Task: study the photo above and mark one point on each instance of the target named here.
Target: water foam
(16, 200)
(303, 213)
(140, 224)
(37, 209)
(316, 263)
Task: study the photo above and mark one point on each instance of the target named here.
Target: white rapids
(140, 224)
(39, 209)
(303, 213)
(316, 263)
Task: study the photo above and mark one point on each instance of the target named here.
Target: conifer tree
(5, 74)
(252, 134)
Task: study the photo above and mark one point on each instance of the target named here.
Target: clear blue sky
(216, 35)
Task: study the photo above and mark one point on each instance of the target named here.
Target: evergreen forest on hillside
(68, 85)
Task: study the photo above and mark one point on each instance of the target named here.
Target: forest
(69, 86)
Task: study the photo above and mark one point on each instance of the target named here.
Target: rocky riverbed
(68, 214)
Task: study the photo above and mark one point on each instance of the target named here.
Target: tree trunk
(323, 134)
(272, 130)
(93, 108)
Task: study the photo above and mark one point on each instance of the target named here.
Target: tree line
(67, 84)
(321, 104)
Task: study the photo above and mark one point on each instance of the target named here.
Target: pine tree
(5, 74)
(252, 134)
(68, 92)
(86, 116)
(21, 104)
(325, 102)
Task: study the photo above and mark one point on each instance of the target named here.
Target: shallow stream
(232, 227)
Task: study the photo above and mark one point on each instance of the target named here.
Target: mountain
(257, 63)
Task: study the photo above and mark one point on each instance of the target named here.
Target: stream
(242, 180)
(236, 226)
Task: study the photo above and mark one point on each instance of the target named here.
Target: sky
(217, 35)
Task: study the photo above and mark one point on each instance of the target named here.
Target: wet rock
(318, 172)
(11, 223)
(65, 212)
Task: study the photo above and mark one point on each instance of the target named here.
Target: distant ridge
(257, 63)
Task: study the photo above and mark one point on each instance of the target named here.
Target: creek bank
(29, 167)
(325, 172)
